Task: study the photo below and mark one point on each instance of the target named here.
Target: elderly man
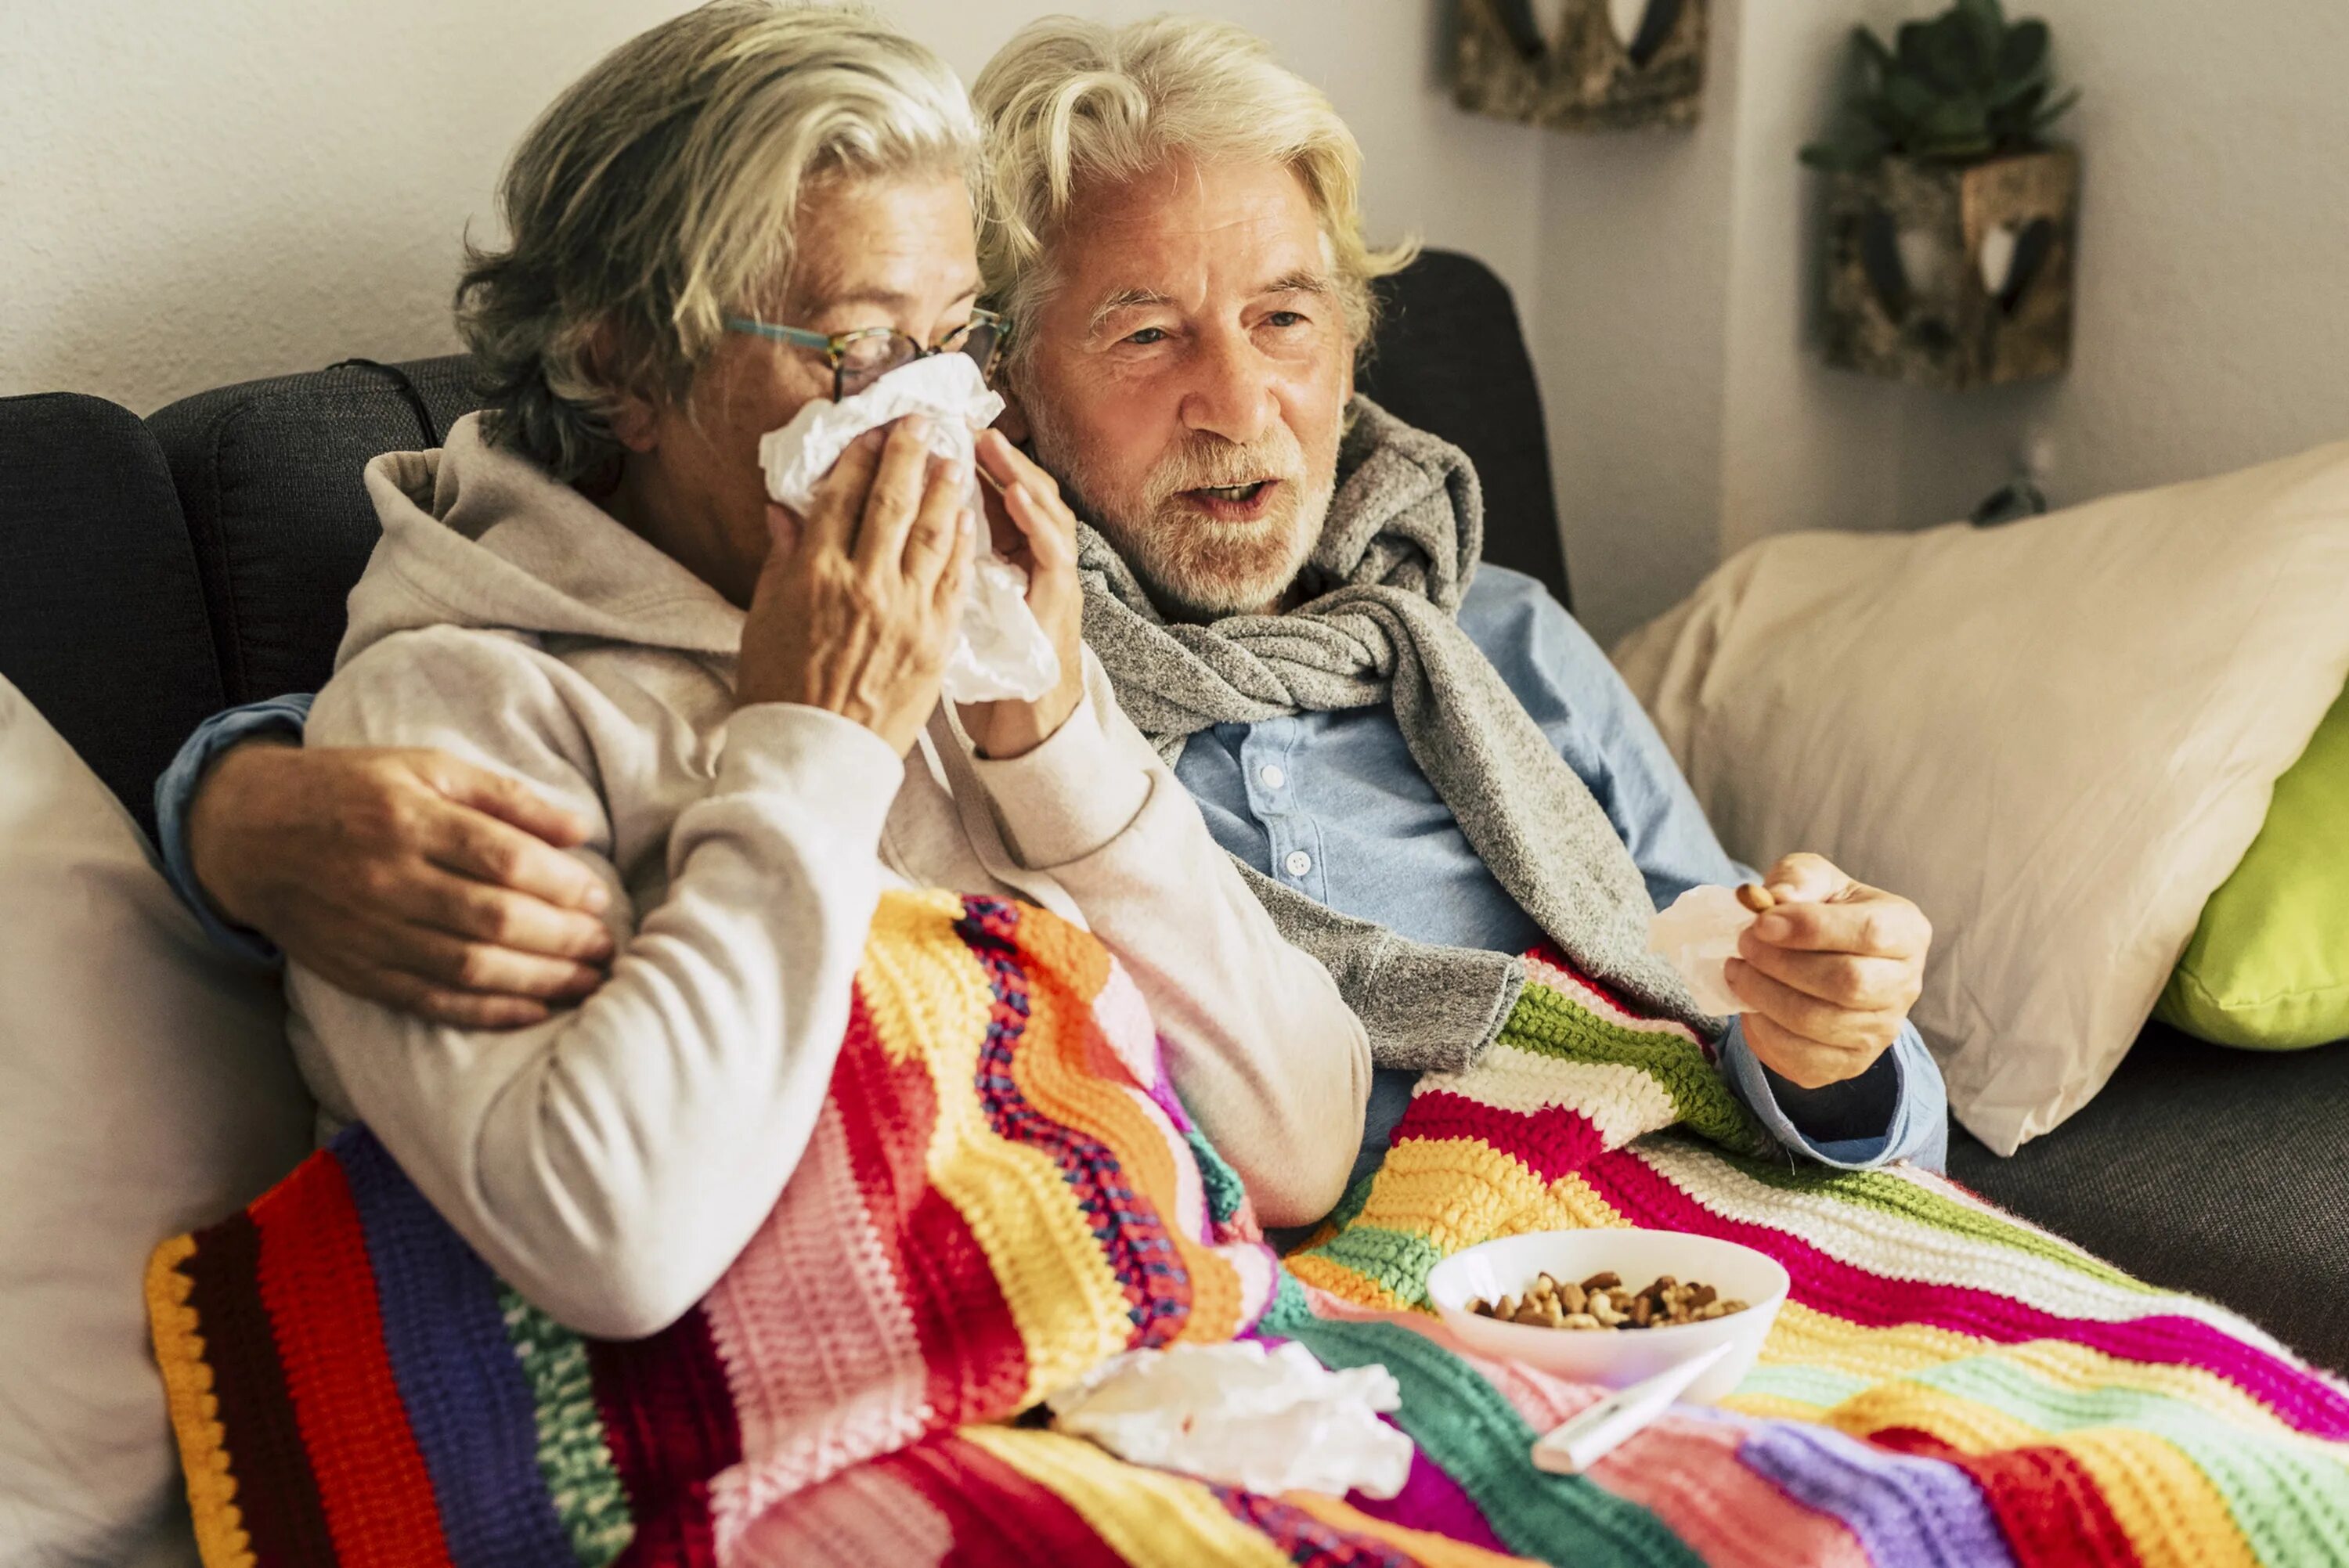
(1426, 766)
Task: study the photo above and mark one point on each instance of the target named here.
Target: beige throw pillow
(2058, 737)
(145, 1087)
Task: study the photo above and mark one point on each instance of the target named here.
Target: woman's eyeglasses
(860, 358)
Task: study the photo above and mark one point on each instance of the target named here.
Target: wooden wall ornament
(1582, 65)
(1953, 275)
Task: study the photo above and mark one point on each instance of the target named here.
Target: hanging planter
(1582, 65)
(1950, 219)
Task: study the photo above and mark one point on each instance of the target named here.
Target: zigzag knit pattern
(1002, 1190)
(1945, 1385)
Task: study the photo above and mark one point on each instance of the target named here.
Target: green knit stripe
(1551, 1024)
(1821, 1386)
(1225, 1192)
(1399, 1260)
(1469, 1431)
(573, 1459)
(1902, 1199)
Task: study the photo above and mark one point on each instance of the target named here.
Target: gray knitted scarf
(1396, 555)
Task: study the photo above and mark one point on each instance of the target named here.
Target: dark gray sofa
(153, 572)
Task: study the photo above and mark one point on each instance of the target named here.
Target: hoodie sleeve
(1264, 1051)
(611, 1163)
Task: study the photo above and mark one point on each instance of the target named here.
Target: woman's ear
(1013, 420)
(635, 421)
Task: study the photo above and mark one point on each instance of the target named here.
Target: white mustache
(1220, 467)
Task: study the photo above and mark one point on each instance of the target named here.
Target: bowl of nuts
(1612, 1306)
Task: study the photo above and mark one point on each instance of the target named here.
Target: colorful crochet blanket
(1002, 1193)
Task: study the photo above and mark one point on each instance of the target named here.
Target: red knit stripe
(669, 1416)
(1551, 1141)
(977, 1362)
(2050, 1507)
(1001, 1519)
(320, 1292)
(276, 1496)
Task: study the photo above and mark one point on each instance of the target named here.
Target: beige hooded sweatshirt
(611, 1163)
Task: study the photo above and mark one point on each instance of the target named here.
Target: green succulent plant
(1965, 85)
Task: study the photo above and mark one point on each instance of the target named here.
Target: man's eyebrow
(1121, 299)
(1306, 280)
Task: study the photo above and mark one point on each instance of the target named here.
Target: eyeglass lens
(867, 359)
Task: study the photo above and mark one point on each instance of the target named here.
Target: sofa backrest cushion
(102, 619)
(269, 477)
(1450, 357)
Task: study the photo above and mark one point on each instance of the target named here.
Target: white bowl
(1619, 1358)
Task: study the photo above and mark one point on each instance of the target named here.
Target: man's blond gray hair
(1071, 103)
(656, 195)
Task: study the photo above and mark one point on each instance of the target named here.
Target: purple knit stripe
(1431, 1501)
(1906, 1512)
(469, 1403)
(1132, 1235)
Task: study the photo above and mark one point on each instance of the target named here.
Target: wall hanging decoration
(1950, 217)
(1582, 65)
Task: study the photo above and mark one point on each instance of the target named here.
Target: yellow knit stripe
(1458, 1192)
(929, 1000)
(2174, 1517)
(221, 1535)
(1361, 1290)
(1431, 1550)
(1147, 1517)
(1058, 1072)
(1804, 1337)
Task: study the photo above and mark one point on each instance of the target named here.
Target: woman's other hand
(858, 603)
(1034, 529)
(411, 878)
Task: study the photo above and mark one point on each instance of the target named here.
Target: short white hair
(1071, 103)
(656, 195)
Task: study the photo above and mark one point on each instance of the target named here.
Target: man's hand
(1827, 976)
(410, 878)
(1034, 529)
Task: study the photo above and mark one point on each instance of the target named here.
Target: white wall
(1689, 414)
(193, 195)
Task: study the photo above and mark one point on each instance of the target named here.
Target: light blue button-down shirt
(1332, 805)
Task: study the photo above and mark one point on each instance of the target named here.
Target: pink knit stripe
(1642, 1196)
(863, 1515)
(818, 1344)
(1551, 1141)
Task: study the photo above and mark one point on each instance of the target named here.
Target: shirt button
(1273, 777)
(1298, 863)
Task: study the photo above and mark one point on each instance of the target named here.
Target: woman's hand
(410, 878)
(1034, 529)
(858, 604)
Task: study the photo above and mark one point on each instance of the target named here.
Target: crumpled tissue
(1235, 1414)
(1698, 936)
(1002, 653)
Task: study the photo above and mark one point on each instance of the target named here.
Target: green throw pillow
(2269, 964)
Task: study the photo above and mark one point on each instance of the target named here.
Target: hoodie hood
(477, 537)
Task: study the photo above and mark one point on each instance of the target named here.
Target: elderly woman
(587, 589)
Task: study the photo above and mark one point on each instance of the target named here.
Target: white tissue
(1232, 1413)
(1698, 936)
(1003, 652)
